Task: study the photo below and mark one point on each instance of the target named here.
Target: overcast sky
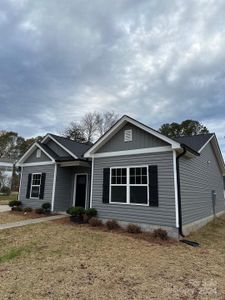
(158, 61)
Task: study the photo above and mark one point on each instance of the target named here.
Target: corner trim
(175, 187)
(92, 179)
(53, 187)
(21, 176)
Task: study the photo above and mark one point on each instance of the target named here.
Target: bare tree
(91, 126)
(105, 121)
(75, 132)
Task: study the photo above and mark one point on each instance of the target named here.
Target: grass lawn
(5, 199)
(62, 261)
(8, 217)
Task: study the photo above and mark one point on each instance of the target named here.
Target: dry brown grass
(59, 260)
(11, 216)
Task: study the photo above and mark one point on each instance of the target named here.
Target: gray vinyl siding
(65, 186)
(32, 158)
(164, 214)
(57, 149)
(198, 179)
(140, 139)
(36, 203)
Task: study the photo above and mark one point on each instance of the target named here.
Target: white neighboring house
(6, 171)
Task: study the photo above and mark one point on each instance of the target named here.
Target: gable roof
(75, 149)
(31, 150)
(195, 142)
(119, 124)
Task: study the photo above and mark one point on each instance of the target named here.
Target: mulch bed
(146, 236)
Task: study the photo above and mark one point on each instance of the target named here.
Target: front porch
(72, 186)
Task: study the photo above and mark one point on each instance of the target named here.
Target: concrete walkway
(30, 221)
(4, 208)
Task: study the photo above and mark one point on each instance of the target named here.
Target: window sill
(129, 204)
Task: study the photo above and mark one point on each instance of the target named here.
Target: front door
(80, 189)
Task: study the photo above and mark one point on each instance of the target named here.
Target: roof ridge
(69, 139)
(199, 134)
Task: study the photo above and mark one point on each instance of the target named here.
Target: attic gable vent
(128, 135)
(38, 153)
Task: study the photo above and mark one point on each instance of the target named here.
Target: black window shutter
(28, 186)
(105, 189)
(153, 186)
(42, 188)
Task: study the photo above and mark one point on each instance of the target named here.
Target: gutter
(179, 191)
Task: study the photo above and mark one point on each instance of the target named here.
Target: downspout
(179, 192)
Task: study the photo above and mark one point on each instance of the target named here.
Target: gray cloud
(159, 61)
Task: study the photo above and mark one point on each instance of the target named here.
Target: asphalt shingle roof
(49, 151)
(76, 148)
(195, 142)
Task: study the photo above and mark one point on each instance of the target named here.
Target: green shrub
(112, 224)
(91, 212)
(76, 211)
(17, 208)
(28, 209)
(46, 207)
(94, 222)
(6, 190)
(13, 203)
(133, 228)
(39, 211)
(160, 234)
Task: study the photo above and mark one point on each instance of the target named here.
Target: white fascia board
(133, 151)
(200, 150)
(59, 144)
(26, 154)
(119, 125)
(43, 163)
(5, 164)
(30, 151)
(219, 155)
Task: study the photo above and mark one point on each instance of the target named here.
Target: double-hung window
(129, 185)
(119, 185)
(35, 185)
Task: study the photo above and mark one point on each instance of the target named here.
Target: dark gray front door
(81, 188)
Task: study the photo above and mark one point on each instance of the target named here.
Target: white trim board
(199, 151)
(44, 163)
(114, 129)
(175, 186)
(6, 164)
(133, 151)
(92, 180)
(30, 151)
(21, 178)
(53, 187)
(59, 144)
